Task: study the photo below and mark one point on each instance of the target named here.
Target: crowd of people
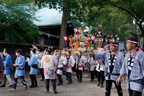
(107, 64)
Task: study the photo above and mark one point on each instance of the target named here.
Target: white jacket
(49, 66)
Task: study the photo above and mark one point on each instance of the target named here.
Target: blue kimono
(136, 78)
(7, 65)
(20, 70)
(33, 61)
(117, 64)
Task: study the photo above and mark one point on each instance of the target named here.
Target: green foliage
(18, 22)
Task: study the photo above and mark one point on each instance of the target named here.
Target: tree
(68, 7)
(17, 22)
(133, 8)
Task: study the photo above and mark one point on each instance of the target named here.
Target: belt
(68, 67)
(81, 66)
(61, 68)
(7, 67)
(139, 81)
(21, 69)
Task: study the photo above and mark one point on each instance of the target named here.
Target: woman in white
(100, 70)
(39, 57)
(69, 65)
(49, 66)
(62, 61)
(92, 64)
(80, 62)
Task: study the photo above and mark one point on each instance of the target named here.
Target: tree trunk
(113, 33)
(142, 30)
(62, 43)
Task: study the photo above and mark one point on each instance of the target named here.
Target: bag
(35, 66)
(49, 72)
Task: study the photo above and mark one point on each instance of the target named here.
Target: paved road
(86, 88)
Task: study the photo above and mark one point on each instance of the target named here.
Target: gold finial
(100, 27)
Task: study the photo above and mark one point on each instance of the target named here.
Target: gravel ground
(86, 88)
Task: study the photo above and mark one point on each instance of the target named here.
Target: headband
(113, 45)
(133, 42)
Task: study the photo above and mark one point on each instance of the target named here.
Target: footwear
(42, 80)
(12, 90)
(2, 86)
(101, 85)
(69, 82)
(47, 92)
(32, 86)
(66, 81)
(59, 84)
(55, 92)
(11, 86)
(35, 85)
(25, 88)
(91, 80)
(98, 84)
(80, 81)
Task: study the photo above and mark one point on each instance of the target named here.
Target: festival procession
(71, 48)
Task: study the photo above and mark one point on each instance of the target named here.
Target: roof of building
(48, 17)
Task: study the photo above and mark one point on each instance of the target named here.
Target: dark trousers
(33, 80)
(22, 80)
(59, 78)
(109, 85)
(134, 93)
(79, 75)
(100, 77)
(92, 75)
(69, 76)
(4, 80)
(41, 73)
(53, 84)
(95, 73)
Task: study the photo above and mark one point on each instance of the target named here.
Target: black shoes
(2, 86)
(60, 84)
(98, 84)
(48, 92)
(101, 86)
(91, 80)
(42, 80)
(55, 92)
(11, 86)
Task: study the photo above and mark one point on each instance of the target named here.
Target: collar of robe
(131, 59)
(113, 58)
(68, 57)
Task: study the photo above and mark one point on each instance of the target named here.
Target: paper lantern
(65, 38)
(75, 30)
(92, 37)
(110, 36)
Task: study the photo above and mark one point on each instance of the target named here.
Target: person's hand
(27, 59)
(124, 78)
(15, 65)
(118, 81)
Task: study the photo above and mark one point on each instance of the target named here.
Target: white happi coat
(39, 57)
(61, 63)
(102, 66)
(81, 62)
(70, 64)
(49, 65)
(92, 63)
